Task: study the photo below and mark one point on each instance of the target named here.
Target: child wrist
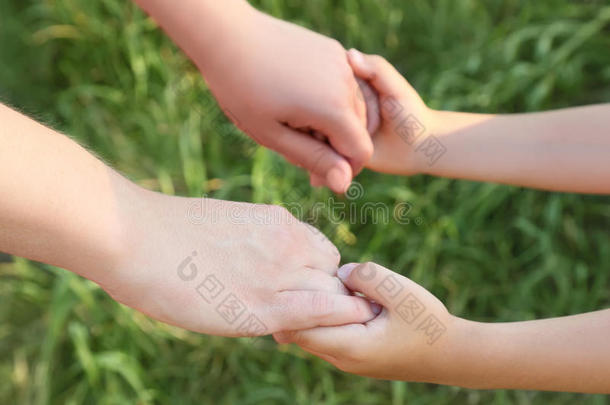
(423, 157)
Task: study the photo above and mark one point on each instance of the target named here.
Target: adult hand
(286, 82)
(211, 266)
(280, 83)
(227, 268)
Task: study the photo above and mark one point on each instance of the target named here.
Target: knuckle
(336, 255)
(287, 303)
(283, 241)
(337, 287)
(319, 158)
(360, 311)
(321, 304)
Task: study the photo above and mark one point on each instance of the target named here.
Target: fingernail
(337, 180)
(356, 56)
(376, 308)
(345, 270)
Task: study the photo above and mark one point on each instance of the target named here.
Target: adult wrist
(217, 33)
(120, 239)
(199, 26)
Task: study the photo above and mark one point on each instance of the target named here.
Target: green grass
(101, 72)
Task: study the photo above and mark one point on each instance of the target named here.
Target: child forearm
(414, 338)
(564, 150)
(559, 354)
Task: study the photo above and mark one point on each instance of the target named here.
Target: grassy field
(103, 73)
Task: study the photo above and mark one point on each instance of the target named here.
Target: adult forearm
(59, 205)
(560, 354)
(202, 28)
(563, 150)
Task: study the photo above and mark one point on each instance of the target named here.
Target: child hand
(408, 340)
(405, 120)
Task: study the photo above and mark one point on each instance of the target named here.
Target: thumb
(374, 281)
(316, 180)
(315, 156)
(377, 71)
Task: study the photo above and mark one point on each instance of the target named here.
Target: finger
(316, 180)
(317, 280)
(315, 156)
(323, 356)
(356, 168)
(347, 135)
(360, 100)
(384, 78)
(308, 309)
(324, 255)
(371, 101)
(333, 341)
(375, 282)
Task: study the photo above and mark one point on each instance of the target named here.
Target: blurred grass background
(103, 73)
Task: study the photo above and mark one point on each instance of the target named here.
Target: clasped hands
(239, 276)
(249, 269)
(242, 277)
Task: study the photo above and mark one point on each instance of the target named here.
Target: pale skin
(562, 354)
(97, 224)
(563, 150)
(426, 343)
(62, 206)
(278, 82)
